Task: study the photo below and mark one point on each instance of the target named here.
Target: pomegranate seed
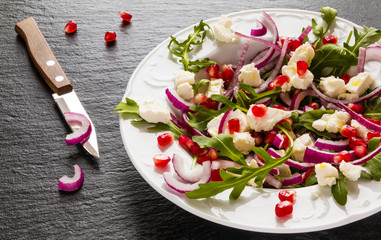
(375, 121)
(301, 67)
(284, 208)
(342, 156)
(185, 141)
(356, 107)
(271, 86)
(165, 139)
(348, 131)
(270, 135)
(346, 78)
(372, 134)
(281, 40)
(286, 141)
(258, 138)
(294, 44)
(307, 174)
(234, 125)
(314, 106)
(213, 71)
(213, 154)
(354, 141)
(210, 104)
(227, 73)
(280, 80)
(203, 157)
(280, 107)
(286, 120)
(196, 149)
(287, 195)
(110, 36)
(215, 175)
(71, 27)
(200, 98)
(259, 110)
(330, 39)
(360, 151)
(161, 160)
(125, 16)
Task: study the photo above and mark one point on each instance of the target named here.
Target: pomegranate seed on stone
(348, 131)
(346, 78)
(161, 160)
(356, 107)
(287, 195)
(280, 80)
(372, 134)
(302, 67)
(125, 16)
(360, 151)
(213, 71)
(314, 106)
(354, 141)
(165, 139)
(200, 98)
(342, 156)
(234, 125)
(284, 208)
(259, 110)
(330, 39)
(71, 27)
(110, 36)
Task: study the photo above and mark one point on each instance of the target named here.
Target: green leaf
(129, 107)
(328, 15)
(306, 119)
(365, 175)
(242, 99)
(237, 190)
(374, 165)
(196, 87)
(203, 116)
(374, 112)
(340, 190)
(364, 39)
(161, 127)
(311, 180)
(224, 100)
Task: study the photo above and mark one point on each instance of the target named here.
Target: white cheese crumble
(182, 76)
(268, 121)
(243, 142)
(222, 31)
(296, 81)
(362, 131)
(359, 84)
(213, 125)
(216, 86)
(332, 86)
(153, 111)
(300, 145)
(350, 171)
(185, 91)
(250, 75)
(326, 174)
(304, 52)
(332, 122)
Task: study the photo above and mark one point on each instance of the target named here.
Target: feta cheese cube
(216, 86)
(300, 145)
(319, 125)
(296, 81)
(332, 122)
(362, 131)
(185, 91)
(153, 111)
(243, 142)
(284, 170)
(222, 31)
(304, 52)
(332, 86)
(250, 75)
(350, 171)
(243, 124)
(268, 121)
(182, 76)
(213, 125)
(360, 83)
(326, 174)
(348, 96)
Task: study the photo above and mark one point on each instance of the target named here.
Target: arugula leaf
(375, 112)
(128, 107)
(306, 119)
(182, 49)
(374, 165)
(340, 190)
(364, 39)
(328, 15)
(161, 127)
(243, 100)
(202, 116)
(224, 100)
(311, 180)
(365, 175)
(199, 85)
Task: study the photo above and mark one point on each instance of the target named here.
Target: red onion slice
(260, 31)
(224, 120)
(69, 184)
(298, 97)
(278, 140)
(80, 135)
(304, 34)
(181, 187)
(332, 145)
(187, 175)
(270, 44)
(272, 181)
(313, 155)
(285, 97)
(218, 164)
(274, 171)
(299, 165)
(295, 178)
(361, 60)
(176, 102)
(373, 53)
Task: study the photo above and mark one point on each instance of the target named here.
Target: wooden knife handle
(43, 57)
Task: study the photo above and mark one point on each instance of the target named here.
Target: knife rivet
(59, 78)
(50, 63)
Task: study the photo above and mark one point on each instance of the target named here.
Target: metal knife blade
(49, 68)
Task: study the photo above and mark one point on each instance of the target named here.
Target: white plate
(254, 210)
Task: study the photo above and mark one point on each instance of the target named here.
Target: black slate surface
(114, 202)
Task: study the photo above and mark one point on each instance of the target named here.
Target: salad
(296, 115)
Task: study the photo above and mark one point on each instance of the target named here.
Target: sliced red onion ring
(278, 140)
(176, 102)
(193, 131)
(270, 44)
(373, 53)
(353, 155)
(274, 171)
(69, 184)
(218, 164)
(260, 31)
(80, 135)
(285, 98)
(268, 66)
(332, 145)
(188, 175)
(181, 187)
(224, 120)
(272, 181)
(298, 97)
(295, 178)
(299, 165)
(361, 60)
(313, 155)
(304, 34)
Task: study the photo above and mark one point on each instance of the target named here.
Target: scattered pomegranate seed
(234, 125)
(356, 107)
(314, 106)
(281, 40)
(280, 80)
(161, 160)
(342, 156)
(284, 208)
(360, 151)
(294, 44)
(270, 135)
(210, 104)
(302, 67)
(259, 110)
(227, 73)
(71, 27)
(287, 195)
(185, 141)
(258, 138)
(213, 71)
(213, 154)
(307, 174)
(125, 16)
(286, 120)
(330, 39)
(215, 175)
(346, 78)
(110, 36)
(165, 139)
(348, 131)
(372, 134)
(286, 141)
(279, 107)
(196, 149)
(200, 98)
(354, 141)
(375, 121)
(203, 157)
(271, 86)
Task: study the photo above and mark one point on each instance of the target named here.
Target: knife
(51, 71)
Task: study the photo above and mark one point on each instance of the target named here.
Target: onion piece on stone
(80, 135)
(69, 184)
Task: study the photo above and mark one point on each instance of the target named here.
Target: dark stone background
(114, 202)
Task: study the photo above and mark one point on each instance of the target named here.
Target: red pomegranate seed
(215, 175)
(234, 125)
(360, 151)
(125, 16)
(165, 139)
(346, 78)
(203, 157)
(348, 131)
(284, 208)
(213, 154)
(110, 36)
(375, 121)
(210, 104)
(307, 174)
(71, 27)
(301, 67)
(342, 156)
(161, 160)
(279, 107)
(354, 141)
(200, 98)
(259, 110)
(294, 44)
(280, 80)
(271, 86)
(330, 39)
(372, 134)
(356, 107)
(227, 73)
(258, 138)
(196, 149)
(287, 195)
(270, 135)
(213, 71)
(286, 141)
(314, 106)
(286, 120)
(185, 141)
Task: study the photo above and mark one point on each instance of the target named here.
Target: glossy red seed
(360, 151)
(271, 86)
(161, 160)
(294, 44)
(213, 154)
(372, 134)
(215, 175)
(270, 135)
(287, 195)
(71, 27)
(234, 125)
(258, 138)
(286, 141)
(307, 174)
(203, 157)
(259, 110)
(110, 36)
(196, 149)
(354, 141)
(346, 78)
(200, 98)
(375, 121)
(279, 107)
(185, 141)
(348, 131)
(330, 39)
(125, 16)
(165, 139)
(213, 71)
(289, 120)
(283, 209)
(301, 67)
(342, 156)
(356, 107)
(210, 104)
(280, 80)
(227, 73)
(314, 106)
